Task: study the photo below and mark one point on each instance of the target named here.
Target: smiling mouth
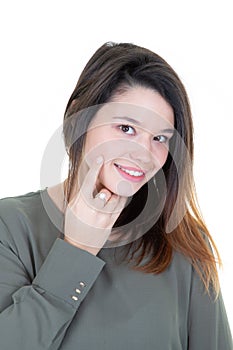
(133, 173)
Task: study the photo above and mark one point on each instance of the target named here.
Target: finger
(102, 198)
(91, 177)
(115, 205)
(111, 203)
(120, 205)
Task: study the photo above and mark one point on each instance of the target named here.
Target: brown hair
(120, 66)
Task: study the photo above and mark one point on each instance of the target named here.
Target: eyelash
(128, 126)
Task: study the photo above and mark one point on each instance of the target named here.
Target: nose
(140, 151)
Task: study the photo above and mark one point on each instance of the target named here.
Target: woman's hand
(88, 219)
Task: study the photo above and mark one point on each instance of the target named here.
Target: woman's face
(132, 133)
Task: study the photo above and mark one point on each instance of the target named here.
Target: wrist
(91, 250)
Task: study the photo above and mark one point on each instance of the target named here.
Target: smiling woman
(130, 263)
(131, 148)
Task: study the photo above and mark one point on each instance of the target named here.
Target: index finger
(91, 177)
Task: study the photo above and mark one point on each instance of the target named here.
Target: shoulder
(19, 199)
(187, 278)
(13, 209)
(26, 228)
(181, 266)
(19, 217)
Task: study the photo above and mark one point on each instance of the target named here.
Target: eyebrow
(131, 120)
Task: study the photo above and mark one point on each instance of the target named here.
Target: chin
(122, 188)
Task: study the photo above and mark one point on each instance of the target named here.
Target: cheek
(161, 155)
(109, 149)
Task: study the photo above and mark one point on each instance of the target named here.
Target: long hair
(115, 68)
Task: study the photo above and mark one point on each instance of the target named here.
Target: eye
(161, 138)
(127, 129)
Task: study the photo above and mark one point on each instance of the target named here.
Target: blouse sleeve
(208, 324)
(35, 314)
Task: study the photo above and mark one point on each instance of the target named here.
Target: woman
(116, 256)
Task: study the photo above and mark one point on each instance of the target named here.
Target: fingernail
(99, 160)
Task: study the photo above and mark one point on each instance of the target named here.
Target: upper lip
(131, 168)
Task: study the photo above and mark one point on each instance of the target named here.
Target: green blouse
(56, 296)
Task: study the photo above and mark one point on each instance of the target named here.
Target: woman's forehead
(115, 112)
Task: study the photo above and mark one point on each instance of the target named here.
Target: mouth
(130, 173)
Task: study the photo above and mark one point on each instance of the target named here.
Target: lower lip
(130, 177)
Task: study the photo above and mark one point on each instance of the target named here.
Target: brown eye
(161, 138)
(127, 129)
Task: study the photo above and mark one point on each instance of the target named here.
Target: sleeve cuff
(68, 272)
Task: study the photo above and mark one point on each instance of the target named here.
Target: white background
(44, 47)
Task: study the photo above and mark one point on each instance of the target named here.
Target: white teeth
(131, 172)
